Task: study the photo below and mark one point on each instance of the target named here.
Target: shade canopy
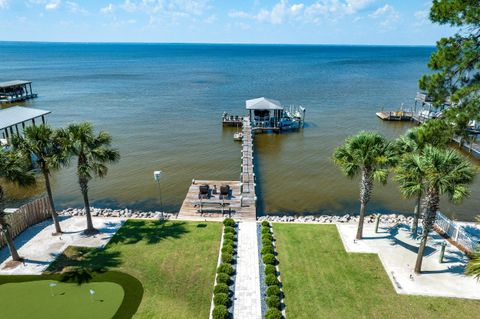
(18, 114)
(13, 83)
(262, 103)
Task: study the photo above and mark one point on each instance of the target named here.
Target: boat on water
(238, 136)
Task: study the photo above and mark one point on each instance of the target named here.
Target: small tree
(93, 153)
(13, 169)
(41, 144)
(367, 154)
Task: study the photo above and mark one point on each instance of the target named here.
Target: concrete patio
(398, 251)
(39, 248)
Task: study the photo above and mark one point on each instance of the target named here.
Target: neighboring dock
(16, 91)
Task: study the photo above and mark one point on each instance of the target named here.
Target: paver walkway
(247, 303)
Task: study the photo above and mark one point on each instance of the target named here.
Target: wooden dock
(241, 201)
(395, 116)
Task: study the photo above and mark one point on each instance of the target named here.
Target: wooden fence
(27, 215)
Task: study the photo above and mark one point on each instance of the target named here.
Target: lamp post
(156, 176)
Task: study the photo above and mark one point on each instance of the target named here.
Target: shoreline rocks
(109, 212)
(334, 219)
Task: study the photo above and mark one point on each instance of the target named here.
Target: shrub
(273, 291)
(270, 270)
(265, 230)
(223, 278)
(228, 222)
(266, 242)
(273, 302)
(221, 299)
(221, 289)
(268, 250)
(267, 236)
(228, 242)
(225, 268)
(229, 236)
(273, 313)
(220, 312)
(227, 258)
(271, 280)
(265, 223)
(269, 259)
(229, 229)
(227, 249)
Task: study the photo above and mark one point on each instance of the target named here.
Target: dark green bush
(228, 222)
(227, 249)
(273, 302)
(266, 242)
(273, 290)
(225, 268)
(265, 230)
(229, 236)
(269, 259)
(221, 289)
(221, 299)
(265, 223)
(271, 280)
(227, 258)
(229, 229)
(220, 312)
(270, 270)
(267, 236)
(268, 250)
(223, 278)
(273, 313)
(228, 242)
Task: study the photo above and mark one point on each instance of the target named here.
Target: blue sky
(226, 21)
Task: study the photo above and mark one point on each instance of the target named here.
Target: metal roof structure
(19, 114)
(13, 83)
(263, 103)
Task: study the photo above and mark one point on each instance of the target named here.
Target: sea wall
(109, 212)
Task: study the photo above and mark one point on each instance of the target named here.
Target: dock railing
(456, 233)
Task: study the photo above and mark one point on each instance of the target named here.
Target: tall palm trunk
(432, 200)
(5, 229)
(416, 214)
(46, 175)
(365, 191)
(86, 202)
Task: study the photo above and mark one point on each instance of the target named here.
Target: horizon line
(219, 43)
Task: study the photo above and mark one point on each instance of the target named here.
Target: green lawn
(321, 280)
(174, 261)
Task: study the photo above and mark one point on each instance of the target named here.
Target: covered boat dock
(15, 118)
(16, 91)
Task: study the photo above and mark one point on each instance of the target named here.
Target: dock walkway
(247, 303)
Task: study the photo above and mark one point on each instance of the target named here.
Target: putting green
(34, 299)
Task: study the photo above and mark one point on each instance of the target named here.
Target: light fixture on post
(156, 176)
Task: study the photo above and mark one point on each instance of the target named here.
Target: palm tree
(370, 155)
(13, 169)
(41, 143)
(93, 153)
(409, 175)
(445, 172)
(473, 266)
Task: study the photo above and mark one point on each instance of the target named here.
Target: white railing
(456, 232)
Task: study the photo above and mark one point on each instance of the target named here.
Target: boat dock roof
(4, 85)
(263, 103)
(18, 114)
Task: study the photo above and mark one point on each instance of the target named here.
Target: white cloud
(52, 5)
(278, 14)
(108, 9)
(74, 7)
(3, 4)
(421, 17)
(387, 14)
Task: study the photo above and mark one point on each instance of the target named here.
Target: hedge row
(221, 293)
(273, 293)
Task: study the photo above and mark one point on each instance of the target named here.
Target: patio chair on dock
(203, 192)
(224, 192)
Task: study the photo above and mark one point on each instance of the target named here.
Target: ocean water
(163, 104)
